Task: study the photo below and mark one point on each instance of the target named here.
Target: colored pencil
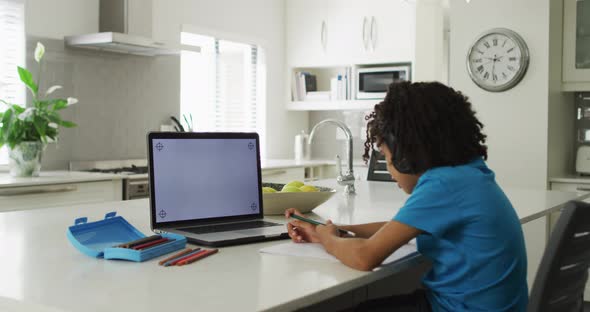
(198, 256)
(139, 241)
(175, 261)
(182, 253)
(151, 244)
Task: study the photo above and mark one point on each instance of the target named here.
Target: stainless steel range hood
(113, 35)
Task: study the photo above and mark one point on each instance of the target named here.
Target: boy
(461, 219)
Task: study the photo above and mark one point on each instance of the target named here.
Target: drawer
(45, 196)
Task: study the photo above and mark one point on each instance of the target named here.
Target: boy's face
(406, 182)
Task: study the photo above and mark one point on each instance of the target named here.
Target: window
(222, 86)
(12, 54)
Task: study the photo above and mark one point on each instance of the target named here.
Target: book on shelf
(302, 83)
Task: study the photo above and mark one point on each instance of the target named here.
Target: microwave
(372, 82)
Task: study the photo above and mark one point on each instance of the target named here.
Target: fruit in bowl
(278, 197)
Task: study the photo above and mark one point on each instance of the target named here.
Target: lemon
(268, 190)
(296, 184)
(309, 188)
(290, 188)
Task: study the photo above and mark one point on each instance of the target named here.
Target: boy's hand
(299, 231)
(325, 231)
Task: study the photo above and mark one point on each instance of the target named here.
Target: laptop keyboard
(228, 227)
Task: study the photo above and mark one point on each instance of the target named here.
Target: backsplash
(330, 140)
(121, 98)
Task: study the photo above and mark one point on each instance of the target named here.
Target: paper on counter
(315, 250)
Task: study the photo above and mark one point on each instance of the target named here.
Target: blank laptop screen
(198, 178)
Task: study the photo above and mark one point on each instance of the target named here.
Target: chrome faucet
(347, 179)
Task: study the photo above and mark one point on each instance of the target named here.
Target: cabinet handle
(585, 189)
(274, 173)
(38, 191)
(373, 32)
(365, 41)
(323, 36)
(586, 98)
(138, 182)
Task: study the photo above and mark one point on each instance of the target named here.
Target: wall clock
(498, 60)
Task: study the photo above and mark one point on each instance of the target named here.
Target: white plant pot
(25, 159)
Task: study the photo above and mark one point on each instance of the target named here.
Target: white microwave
(372, 82)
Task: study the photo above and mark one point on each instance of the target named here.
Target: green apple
(290, 189)
(267, 189)
(296, 184)
(309, 188)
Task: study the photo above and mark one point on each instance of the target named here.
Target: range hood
(114, 36)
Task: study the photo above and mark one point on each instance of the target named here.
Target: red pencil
(196, 257)
(151, 244)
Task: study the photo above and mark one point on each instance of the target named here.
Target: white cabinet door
(345, 32)
(307, 32)
(392, 31)
(349, 32)
(45, 196)
(576, 41)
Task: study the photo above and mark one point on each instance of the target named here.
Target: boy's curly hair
(433, 125)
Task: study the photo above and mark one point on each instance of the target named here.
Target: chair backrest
(378, 168)
(563, 272)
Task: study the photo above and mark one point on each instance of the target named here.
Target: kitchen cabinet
(341, 32)
(53, 195)
(576, 45)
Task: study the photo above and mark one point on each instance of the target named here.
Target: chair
(563, 272)
(378, 168)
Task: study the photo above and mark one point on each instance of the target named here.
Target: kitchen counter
(377, 200)
(571, 178)
(55, 177)
(42, 268)
(292, 163)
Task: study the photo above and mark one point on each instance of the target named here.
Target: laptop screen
(202, 178)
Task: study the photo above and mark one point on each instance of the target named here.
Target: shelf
(359, 105)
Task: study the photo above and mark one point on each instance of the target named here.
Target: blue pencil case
(96, 239)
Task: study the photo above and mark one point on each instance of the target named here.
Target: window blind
(12, 54)
(220, 86)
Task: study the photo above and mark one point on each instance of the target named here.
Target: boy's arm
(363, 230)
(366, 253)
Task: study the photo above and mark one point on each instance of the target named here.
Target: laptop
(208, 187)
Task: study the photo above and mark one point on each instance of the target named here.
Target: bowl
(277, 203)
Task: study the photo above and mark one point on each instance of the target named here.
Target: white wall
(516, 121)
(262, 20)
(58, 18)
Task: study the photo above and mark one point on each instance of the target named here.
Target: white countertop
(292, 163)
(39, 266)
(55, 177)
(571, 178)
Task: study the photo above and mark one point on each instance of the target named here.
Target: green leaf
(40, 127)
(54, 117)
(27, 78)
(6, 123)
(67, 124)
(18, 109)
(59, 104)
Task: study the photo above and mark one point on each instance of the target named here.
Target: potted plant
(27, 130)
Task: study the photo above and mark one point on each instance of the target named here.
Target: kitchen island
(39, 267)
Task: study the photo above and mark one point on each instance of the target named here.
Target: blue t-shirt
(473, 237)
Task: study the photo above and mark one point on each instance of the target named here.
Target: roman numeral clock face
(498, 60)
